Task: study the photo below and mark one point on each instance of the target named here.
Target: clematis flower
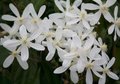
(19, 19)
(115, 27)
(106, 71)
(14, 54)
(24, 43)
(103, 9)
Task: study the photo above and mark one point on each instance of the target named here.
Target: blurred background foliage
(40, 71)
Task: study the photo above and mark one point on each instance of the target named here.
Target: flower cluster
(70, 33)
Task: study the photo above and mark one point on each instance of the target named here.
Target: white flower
(18, 19)
(103, 8)
(25, 43)
(106, 70)
(115, 27)
(10, 30)
(15, 54)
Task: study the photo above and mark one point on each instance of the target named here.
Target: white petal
(89, 77)
(96, 18)
(24, 53)
(11, 43)
(80, 66)
(111, 62)
(58, 34)
(58, 4)
(74, 21)
(116, 12)
(37, 46)
(88, 43)
(8, 18)
(77, 3)
(113, 75)
(56, 15)
(26, 11)
(74, 77)
(41, 11)
(108, 17)
(96, 73)
(61, 52)
(90, 6)
(100, 41)
(33, 12)
(98, 2)
(60, 70)
(67, 5)
(118, 31)
(111, 29)
(8, 61)
(5, 27)
(110, 2)
(102, 80)
(66, 63)
(23, 64)
(86, 24)
(115, 36)
(23, 32)
(14, 10)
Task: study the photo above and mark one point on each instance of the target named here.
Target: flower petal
(102, 80)
(14, 10)
(37, 46)
(116, 12)
(58, 4)
(113, 75)
(23, 32)
(60, 70)
(8, 18)
(74, 21)
(5, 27)
(111, 29)
(111, 62)
(89, 78)
(86, 24)
(110, 2)
(90, 6)
(23, 64)
(74, 77)
(108, 17)
(8, 61)
(41, 11)
(24, 53)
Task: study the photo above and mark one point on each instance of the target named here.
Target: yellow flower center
(82, 14)
(14, 53)
(118, 22)
(104, 9)
(104, 47)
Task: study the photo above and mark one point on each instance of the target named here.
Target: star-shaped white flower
(115, 27)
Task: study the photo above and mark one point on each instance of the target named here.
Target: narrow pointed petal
(11, 43)
(115, 36)
(90, 6)
(108, 17)
(41, 11)
(33, 12)
(110, 2)
(74, 21)
(77, 3)
(58, 4)
(67, 5)
(86, 24)
(98, 2)
(96, 18)
(66, 63)
(8, 61)
(60, 70)
(8, 18)
(111, 62)
(23, 64)
(116, 12)
(26, 11)
(74, 77)
(24, 53)
(89, 78)
(113, 75)
(5, 27)
(14, 10)
(23, 32)
(111, 29)
(102, 80)
(37, 46)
